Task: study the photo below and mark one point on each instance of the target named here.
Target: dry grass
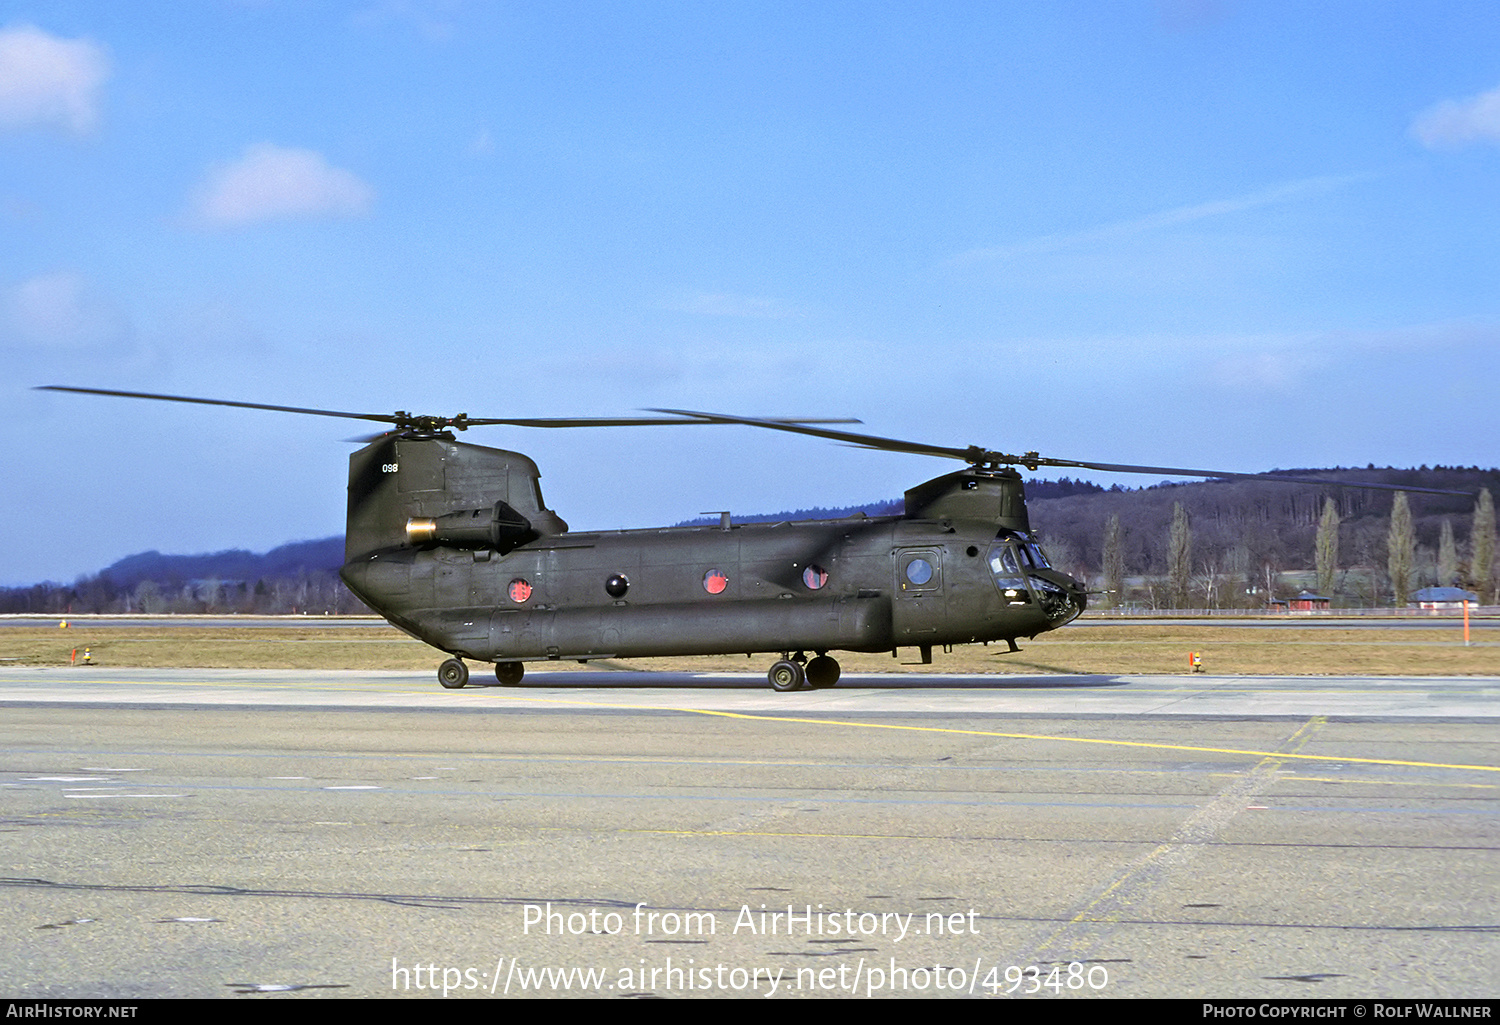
(1108, 650)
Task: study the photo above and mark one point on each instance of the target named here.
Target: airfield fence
(1127, 612)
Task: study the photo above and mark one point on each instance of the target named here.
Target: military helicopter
(453, 544)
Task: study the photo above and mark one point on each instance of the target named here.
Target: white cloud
(483, 144)
(1456, 122)
(726, 304)
(45, 80)
(272, 182)
(433, 19)
(59, 312)
(1271, 371)
(1163, 219)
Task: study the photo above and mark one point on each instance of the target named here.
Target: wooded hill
(1249, 538)
(297, 577)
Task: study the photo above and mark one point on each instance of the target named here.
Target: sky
(1210, 233)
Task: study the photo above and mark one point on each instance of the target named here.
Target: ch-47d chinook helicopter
(452, 543)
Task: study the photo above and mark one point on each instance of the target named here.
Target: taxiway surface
(206, 833)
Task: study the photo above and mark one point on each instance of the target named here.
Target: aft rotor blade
(383, 417)
(633, 421)
(462, 421)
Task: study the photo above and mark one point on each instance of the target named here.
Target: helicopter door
(921, 604)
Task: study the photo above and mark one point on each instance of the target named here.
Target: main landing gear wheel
(509, 673)
(822, 671)
(786, 675)
(453, 674)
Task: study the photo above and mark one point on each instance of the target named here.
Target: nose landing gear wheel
(786, 675)
(453, 674)
(822, 671)
(509, 673)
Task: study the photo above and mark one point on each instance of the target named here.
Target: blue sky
(1189, 232)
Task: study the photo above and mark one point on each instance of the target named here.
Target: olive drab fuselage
(453, 544)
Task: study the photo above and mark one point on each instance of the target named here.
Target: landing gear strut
(453, 674)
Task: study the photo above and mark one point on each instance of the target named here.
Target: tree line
(1242, 544)
(301, 577)
(1218, 544)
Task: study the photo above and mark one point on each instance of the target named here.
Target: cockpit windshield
(1032, 553)
(1006, 568)
(1029, 552)
(1023, 575)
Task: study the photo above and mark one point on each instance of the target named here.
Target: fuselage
(453, 543)
(852, 584)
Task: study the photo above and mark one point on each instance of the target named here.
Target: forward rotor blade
(858, 440)
(977, 456)
(1171, 471)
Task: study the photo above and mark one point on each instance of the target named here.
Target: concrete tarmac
(285, 835)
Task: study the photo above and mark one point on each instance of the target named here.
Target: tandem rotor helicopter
(453, 544)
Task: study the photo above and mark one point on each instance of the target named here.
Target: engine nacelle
(499, 527)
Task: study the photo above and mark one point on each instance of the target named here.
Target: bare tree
(1326, 548)
(148, 597)
(1482, 547)
(1400, 544)
(1447, 559)
(1209, 581)
(1238, 569)
(1114, 563)
(1179, 556)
